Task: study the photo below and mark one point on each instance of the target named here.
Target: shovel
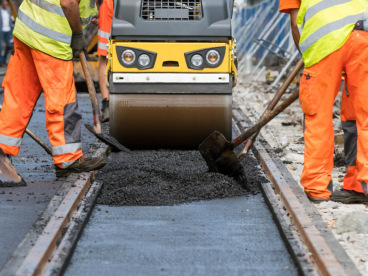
(218, 152)
(96, 128)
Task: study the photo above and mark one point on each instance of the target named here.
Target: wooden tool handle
(273, 103)
(92, 93)
(268, 117)
(284, 86)
(39, 141)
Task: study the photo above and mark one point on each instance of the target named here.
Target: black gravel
(166, 177)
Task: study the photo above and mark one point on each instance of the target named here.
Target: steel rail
(37, 258)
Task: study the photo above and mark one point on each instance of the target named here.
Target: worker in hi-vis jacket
(46, 37)
(332, 39)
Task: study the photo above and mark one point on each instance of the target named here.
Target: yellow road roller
(171, 70)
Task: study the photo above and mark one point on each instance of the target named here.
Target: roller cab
(171, 72)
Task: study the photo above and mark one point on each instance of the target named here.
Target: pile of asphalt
(167, 177)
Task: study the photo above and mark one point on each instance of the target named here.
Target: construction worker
(46, 37)
(104, 28)
(331, 37)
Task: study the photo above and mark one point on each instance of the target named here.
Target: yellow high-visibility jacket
(325, 25)
(42, 25)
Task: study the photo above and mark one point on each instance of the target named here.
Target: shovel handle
(92, 93)
(268, 117)
(284, 86)
(39, 141)
(271, 106)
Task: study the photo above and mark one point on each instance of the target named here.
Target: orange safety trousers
(28, 72)
(318, 88)
(104, 26)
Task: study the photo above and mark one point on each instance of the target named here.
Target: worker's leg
(102, 79)
(348, 120)
(318, 89)
(63, 117)
(21, 91)
(105, 110)
(104, 28)
(357, 72)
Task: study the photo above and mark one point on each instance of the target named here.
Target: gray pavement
(233, 236)
(20, 207)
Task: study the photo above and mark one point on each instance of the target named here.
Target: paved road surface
(233, 236)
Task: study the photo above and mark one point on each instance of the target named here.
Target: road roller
(171, 70)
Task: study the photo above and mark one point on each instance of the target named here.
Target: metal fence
(261, 31)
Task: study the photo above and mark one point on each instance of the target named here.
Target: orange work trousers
(28, 72)
(104, 26)
(318, 88)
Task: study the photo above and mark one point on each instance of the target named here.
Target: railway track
(49, 245)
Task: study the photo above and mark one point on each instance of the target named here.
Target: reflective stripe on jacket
(42, 25)
(325, 25)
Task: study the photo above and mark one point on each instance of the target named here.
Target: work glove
(78, 44)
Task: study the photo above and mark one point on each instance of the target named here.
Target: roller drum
(170, 121)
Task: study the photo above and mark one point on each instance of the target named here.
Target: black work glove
(78, 44)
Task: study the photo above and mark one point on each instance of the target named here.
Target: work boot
(318, 200)
(347, 196)
(83, 164)
(105, 111)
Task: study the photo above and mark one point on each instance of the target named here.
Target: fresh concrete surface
(20, 207)
(232, 236)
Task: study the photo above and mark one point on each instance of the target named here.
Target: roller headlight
(128, 57)
(144, 60)
(197, 60)
(213, 57)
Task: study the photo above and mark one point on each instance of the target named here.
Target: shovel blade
(218, 154)
(211, 148)
(228, 163)
(109, 140)
(9, 176)
(220, 157)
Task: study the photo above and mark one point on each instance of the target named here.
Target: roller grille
(190, 10)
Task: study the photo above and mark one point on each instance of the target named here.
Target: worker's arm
(294, 27)
(71, 11)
